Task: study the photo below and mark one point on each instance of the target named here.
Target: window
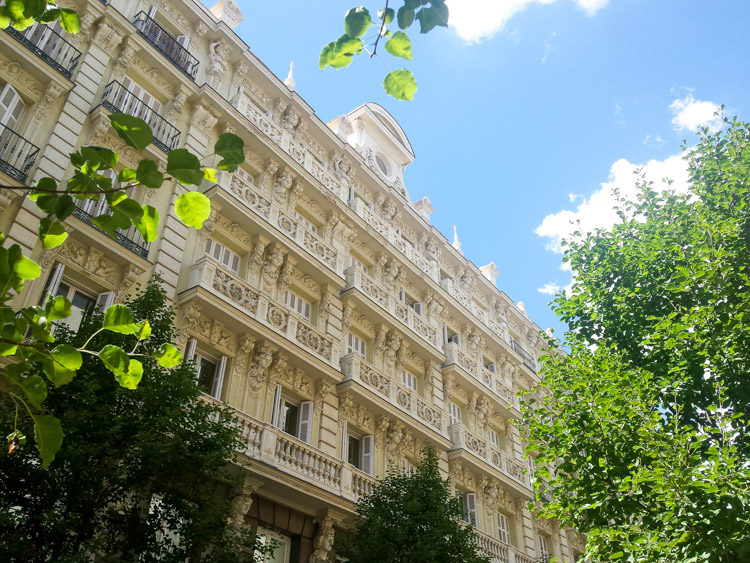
(494, 438)
(357, 450)
(244, 175)
(489, 365)
(409, 467)
(94, 208)
(410, 302)
(356, 345)
(134, 100)
(503, 528)
(454, 413)
(409, 380)
(282, 552)
(306, 222)
(169, 539)
(382, 164)
(468, 507)
(298, 305)
(450, 335)
(81, 302)
(293, 417)
(11, 107)
(354, 261)
(210, 376)
(544, 554)
(223, 255)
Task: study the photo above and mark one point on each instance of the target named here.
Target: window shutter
(492, 368)
(503, 528)
(445, 334)
(344, 441)
(457, 339)
(105, 300)
(53, 283)
(367, 455)
(306, 422)
(402, 295)
(276, 415)
(190, 349)
(219, 378)
(471, 506)
(183, 40)
(417, 308)
(11, 107)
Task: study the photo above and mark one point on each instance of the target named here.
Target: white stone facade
(318, 300)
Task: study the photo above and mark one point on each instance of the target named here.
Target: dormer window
(382, 163)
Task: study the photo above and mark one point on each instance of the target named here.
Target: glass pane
(290, 414)
(80, 305)
(353, 456)
(206, 372)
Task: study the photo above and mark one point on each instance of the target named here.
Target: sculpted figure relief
(217, 62)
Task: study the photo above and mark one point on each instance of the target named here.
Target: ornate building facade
(318, 300)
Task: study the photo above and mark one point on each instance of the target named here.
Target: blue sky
(528, 111)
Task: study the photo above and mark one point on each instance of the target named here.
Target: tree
(400, 83)
(645, 420)
(410, 518)
(143, 474)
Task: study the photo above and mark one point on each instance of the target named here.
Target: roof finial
(456, 243)
(289, 82)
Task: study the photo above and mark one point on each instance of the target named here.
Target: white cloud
(690, 114)
(598, 210)
(549, 288)
(474, 20)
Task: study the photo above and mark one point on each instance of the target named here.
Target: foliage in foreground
(646, 418)
(122, 447)
(410, 518)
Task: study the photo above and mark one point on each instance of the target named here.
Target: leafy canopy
(410, 518)
(645, 420)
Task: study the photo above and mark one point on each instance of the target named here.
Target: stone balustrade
(491, 380)
(362, 483)
(463, 438)
(356, 278)
(468, 303)
(429, 267)
(499, 552)
(252, 198)
(354, 367)
(240, 294)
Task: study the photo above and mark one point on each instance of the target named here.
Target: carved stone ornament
(154, 76)
(321, 392)
(54, 91)
(12, 71)
(272, 264)
(107, 36)
(129, 276)
(91, 261)
(256, 371)
(323, 542)
(203, 118)
(218, 52)
(357, 414)
(242, 502)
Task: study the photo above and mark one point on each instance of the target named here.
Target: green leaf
(148, 174)
(70, 21)
(148, 226)
(167, 356)
(35, 390)
(209, 174)
(51, 233)
(25, 268)
(34, 8)
(389, 15)
(400, 84)
(58, 308)
(435, 15)
(118, 318)
(61, 367)
(193, 208)
(100, 158)
(107, 223)
(4, 17)
(399, 45)
(48, 435)
(133, 130)
(340, 53)
(143, 330)
(127, 176)
(130, 208)
(184, 166)
(64, 207)
(405, 17)
(232, 151)
(357, 22)
(132, 377)
(115, 359)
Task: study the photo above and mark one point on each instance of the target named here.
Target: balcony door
(45, 37)
(11, 111)
(134, 100)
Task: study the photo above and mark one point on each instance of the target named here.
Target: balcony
(407, 400)
(463, 439)
(489, 379)
(528, 361)
(17, 155)
(251, 198)
(119, 99)
(264, 442)
(428, 267)
(49, 46)
(131, 238)
(242, 296)
(357, 279)
(499, 552)
(166, 44)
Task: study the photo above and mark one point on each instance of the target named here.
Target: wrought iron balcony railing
(49, 46)
(527, 359)
(131, 238)
(17, 155)
(167, 44)
(119, 99)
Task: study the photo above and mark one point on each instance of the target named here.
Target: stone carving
(285, 276)
(277, 317)
(316, 247)
(256, 258)
(381, 430)
(203, 118)
(391, 274)
(323, 542)
(53, 92)
(357, 414)
(122, 63)
(154, 76)
(374, 379)
(294, 193)
(238, 76)
(12, 72)
(282, 185)
(216, 68)
(165, 7)
(107, 37)
(245, 348)
(278, 110)
(176, 106)
(268, 173)
(392, 348)
(250, 197)
(272, 265)
(480, 410)
(256, 372)
(321, 392)
(290, 120)
(128, 279)
(316, 342)
(199, 31)
(338, 228)
(87, 20)
(240, 294)
(241, 503)
(325, 307)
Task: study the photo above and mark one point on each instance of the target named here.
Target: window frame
(352, 345)
(293, 300)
